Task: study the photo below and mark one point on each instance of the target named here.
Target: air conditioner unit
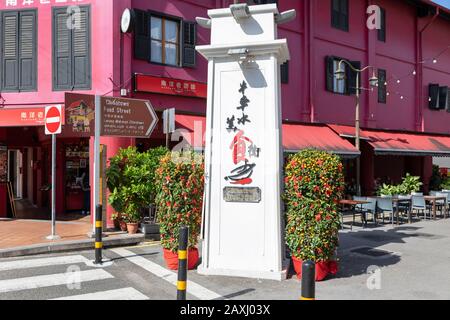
(433, 93)
(443, 98)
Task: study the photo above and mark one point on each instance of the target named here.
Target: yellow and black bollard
(98, 234)
(308, 280)
(182, 263)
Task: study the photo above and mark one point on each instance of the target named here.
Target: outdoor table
(353, 204)
(434, 200)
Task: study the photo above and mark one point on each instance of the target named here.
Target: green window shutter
(284, 72)
(351, 77)
(27, 51)
(142, 35)
(62, 50)
(329, 68)
(10, 51)
(189, 40)
(382, 31)
(81, 52)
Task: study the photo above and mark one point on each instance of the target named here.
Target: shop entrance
(15, 173)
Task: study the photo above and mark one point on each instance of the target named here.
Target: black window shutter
(335, 13)
(382, 31)
(10, 51)
(443, 97)
(285, 72)
(189, 40)
(344, 16)
(27, 50)
(142, 35)
(351, 77)
(433, 92)
(329, 68)
(448, 101)
(382, 88)
(81, 52)
(62, 50)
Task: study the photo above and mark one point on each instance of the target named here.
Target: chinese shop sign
(21, 117)
(3, 164)
(177, 87)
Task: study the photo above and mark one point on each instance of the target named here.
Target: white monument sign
(243, 223)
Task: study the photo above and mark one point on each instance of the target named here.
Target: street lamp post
(340, 75)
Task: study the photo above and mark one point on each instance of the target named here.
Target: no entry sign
(53, 119)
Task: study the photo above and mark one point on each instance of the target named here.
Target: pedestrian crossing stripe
(51, 280)
(42, 262)
(119, 294)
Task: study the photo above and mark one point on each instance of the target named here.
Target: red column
(427, 172)
(3, 192)
(112, 147)
(367, 169)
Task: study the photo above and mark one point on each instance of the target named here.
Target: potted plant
(410, 184)
(119, 223)
(314, 184)
(179, 201)
(131, 182)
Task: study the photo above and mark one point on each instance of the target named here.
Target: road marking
(119, 294)
(52, 280)
(192, 288)
(43, 262)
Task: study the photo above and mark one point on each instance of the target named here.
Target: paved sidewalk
(19, 233)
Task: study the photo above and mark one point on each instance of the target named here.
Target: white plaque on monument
(243, 156)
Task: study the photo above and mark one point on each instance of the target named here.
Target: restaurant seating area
(397, 209)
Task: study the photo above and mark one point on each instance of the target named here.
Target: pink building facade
(413, 55)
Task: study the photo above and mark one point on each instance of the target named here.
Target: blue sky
(445, 3)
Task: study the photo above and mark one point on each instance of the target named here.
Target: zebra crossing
(73, 277)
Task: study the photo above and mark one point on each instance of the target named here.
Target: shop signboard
(80, 114)
(170, 86)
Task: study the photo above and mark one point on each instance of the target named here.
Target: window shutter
(62, 39)
(433, 92)
(382, 31)
(285, 72)
(27, 51)
(189, 41)
(329, 68)
(448, 101)
(335, 13)
(10, 51)
(343, 21)
(351, 77)
(81, 52)
(142, 35)
(443, 98)
(382, 92)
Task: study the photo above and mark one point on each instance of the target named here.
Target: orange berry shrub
(314, 184)
(179, 200)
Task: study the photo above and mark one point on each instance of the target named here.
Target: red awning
(400, 143)
(390, 143)
(192, 129)
(296, 137)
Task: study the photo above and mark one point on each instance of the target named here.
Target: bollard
(98, 234)
(182, 263)
(308, 280)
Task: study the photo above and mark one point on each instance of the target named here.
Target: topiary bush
(179, 199)
(314, 184)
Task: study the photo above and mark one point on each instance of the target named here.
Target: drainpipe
(420, 123)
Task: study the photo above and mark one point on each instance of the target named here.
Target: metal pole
(98, 234)
(358, 140)
(96, 196)
(308, 280)
(53, 236)
(182, 263)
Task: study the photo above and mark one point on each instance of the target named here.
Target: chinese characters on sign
(242, 147)
(15, 3)
(178, 87)
(3, 164)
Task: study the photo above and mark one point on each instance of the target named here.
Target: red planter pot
(172, 259)
(323, 269)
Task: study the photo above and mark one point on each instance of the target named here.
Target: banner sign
(3, 164)
(176, 87)
(80, 113)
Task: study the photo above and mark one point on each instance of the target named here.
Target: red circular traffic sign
(53, 120)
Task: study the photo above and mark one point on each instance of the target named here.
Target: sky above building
(445, 3)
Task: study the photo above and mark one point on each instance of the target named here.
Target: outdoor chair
(442, 204)
(360, 209)
(419, 204)
(404, 207)
(384, 205)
